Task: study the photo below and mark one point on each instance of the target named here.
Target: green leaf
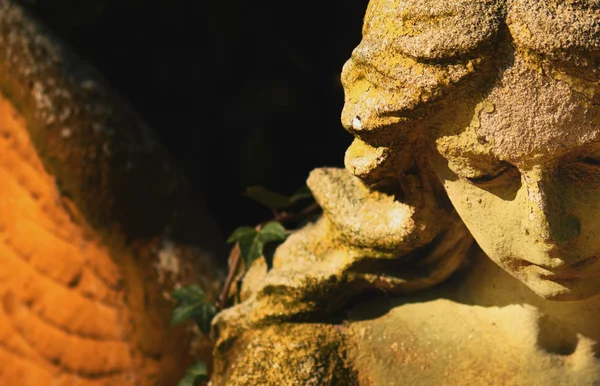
(273, 231)
(275, 200)
(252, 242)
(188, 294)
(241, 233)
(204, 316)
(195, 374)
(301, 194)
(184, 313)
(250, 248)
(266, 197)
(192, 305)
(269, 254)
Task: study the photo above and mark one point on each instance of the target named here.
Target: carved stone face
(521, 165)
(525, 179)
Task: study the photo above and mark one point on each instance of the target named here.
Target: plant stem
(284, 217)
(234, 257)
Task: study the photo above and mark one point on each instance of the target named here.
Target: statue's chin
(557, 289)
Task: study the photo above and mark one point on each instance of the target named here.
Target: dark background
(241, 92)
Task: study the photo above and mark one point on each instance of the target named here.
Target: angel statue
(461, 243)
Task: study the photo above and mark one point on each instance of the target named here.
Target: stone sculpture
(475, 120)
(97, 226)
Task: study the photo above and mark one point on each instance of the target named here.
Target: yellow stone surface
(473, 119)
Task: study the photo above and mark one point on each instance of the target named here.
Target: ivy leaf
(267, 198)
(188, 293)
(269, 254)
(275, 200)
(301, 194)
(194, 375)
(241, 233)
(189, 298)
(273, 231)
(252, 241)
(192, 305)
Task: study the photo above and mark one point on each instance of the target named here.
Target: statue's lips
(588, 267)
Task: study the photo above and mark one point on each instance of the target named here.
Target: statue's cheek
(495, 223)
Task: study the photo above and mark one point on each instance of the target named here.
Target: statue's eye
(584, 167)
(503, 170)
(590, 161)
(581, 168)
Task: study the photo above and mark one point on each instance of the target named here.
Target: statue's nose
(365, 106)
(358, 114)
(548, 213)
(359, 120)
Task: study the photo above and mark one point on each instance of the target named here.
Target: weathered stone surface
(263, 358)
(97, 226)
(486, 107)
(431, 30)
(482, 327)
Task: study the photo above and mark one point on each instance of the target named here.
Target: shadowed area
(97, 227)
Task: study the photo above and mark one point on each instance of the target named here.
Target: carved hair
(418, 49)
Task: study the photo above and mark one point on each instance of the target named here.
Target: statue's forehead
(535, 114)
(426, 29)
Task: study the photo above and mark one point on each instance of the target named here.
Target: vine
(249, 244)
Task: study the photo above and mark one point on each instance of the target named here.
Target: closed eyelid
(486, 177)
(477, 167)
(504, 174)
(490, 175)
(590, 161)
(586, 156)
